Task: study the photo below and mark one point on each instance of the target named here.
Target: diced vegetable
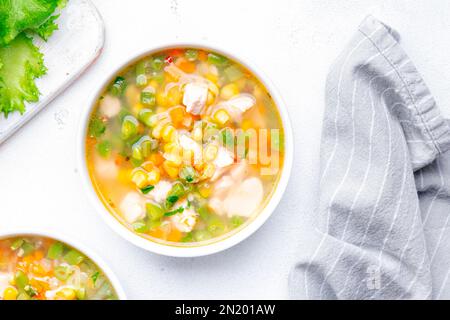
(129, 127)
(236, 221)
(148, 96)
(201, 235)
(191, 54)
(73, 257)
(229, 91)
(143, 147)
(104, 148)
(81, 293)
(21, 280)
(62, 273)
(154, 211)
(17, 244)
(204, 213)
(157, 64)
(96, 127)
(139, 177)
(215, 226)
(147, 189)
(145, 116)
(141, 78)
(188, 174)
(27, 248)
(10, 293)
(175, 194)
(118, 87)
(221, 116)
(174, 212)
(233, 73)
(55, 251)
(140, 226)
(217, 59)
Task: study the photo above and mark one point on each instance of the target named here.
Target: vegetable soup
(38, 268)
(185, 146)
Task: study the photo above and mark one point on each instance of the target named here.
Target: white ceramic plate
(69, 51)
(198, 250)
(91, 255)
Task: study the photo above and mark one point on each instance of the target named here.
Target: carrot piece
(156, 158)
(175, 235)
(186, 66)
(202, 55)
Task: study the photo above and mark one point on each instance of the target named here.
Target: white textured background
(293, 42)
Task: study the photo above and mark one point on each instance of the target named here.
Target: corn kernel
(148, 166)
(161, 99)
(210, 99)
(154, 176)
(38, 270)
(212, 77)
(10, 293)
(174, 96)
(66, 294)
(197, 134)
(205, 190)
(156, 158)
(169, 133)
(157, 130)
(139, 178)
(168, 147)
(170, 170)
(177, 114)
(173, 158)
(229, 91)
(221, 116)
(210, 152)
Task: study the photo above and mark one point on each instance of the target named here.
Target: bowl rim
(194, 251)
(17, 232)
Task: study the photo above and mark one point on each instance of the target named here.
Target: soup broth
(36, 268)
(185, 146)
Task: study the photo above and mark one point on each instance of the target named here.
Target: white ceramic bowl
(4, 234)
(199, 250)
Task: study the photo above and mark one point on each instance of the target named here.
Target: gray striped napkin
(384, 203)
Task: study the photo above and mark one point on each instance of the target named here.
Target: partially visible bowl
(5, 234)
(194, 250)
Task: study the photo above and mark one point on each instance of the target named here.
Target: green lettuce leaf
(46, 29)
(20, 15)
(22, 64)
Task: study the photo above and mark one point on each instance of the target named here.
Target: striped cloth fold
(384, 203)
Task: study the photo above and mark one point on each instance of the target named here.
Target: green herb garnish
(147, 189)
(174, 212)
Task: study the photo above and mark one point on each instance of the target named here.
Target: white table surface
(294, 43)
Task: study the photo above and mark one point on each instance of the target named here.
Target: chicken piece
(160, 192)
(110, 106)
(132, 207)
(224, 158)
(186, 220)
(222, 186)
(195, 96)
(245, 198)
(106, 169)
(216, 205)
(189, 144)
(236, 106)
(242, 102)
(239, 170)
